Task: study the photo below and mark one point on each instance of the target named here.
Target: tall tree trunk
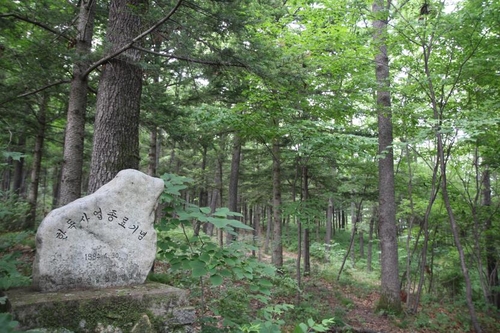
(456, 235)
(56, 186)
(370, 239)
(71, 177)
(361, 234)
(216, 196)
(305, 197)
(277, 246)
(37, 163)
(354, 221)
(329, 228)
(390, 287)
(269, 224)
(18, 179)
(491, 254)
(233, 182)
(203, 195)
(153, 157)
(152, 154)
(299, 258)
(7, 174)
(116, 129)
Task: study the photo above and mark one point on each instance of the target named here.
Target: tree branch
(135, 40)
(197, 61)
(36, 91)
(41, 25)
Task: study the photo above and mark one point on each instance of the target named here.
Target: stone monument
(105, 239)
(93, 257)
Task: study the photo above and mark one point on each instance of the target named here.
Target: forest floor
(352, 304)
(360, 315)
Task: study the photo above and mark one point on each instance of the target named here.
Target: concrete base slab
(122, 308)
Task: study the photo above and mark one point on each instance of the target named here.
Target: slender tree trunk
(343, 219)
(71, 176)
(216, 196)
(116, 130)
(255, 226)
(456, 236)
(37, 163)
(354, 221)
(299, 258)
(390, 287)
(18, 178)
(233, 181)
(153, 149)
(7, 174)
(56, 186)
(491, 253)
(329, 228)
(277, 246)
(154, 143)
(268, 228)
(305, 198)
(259, 215)
(361, 241)
(203, 196)
(370, 239)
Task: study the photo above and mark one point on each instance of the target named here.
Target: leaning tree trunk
(37, 163)
(390, 288)
(277, 246)
(71, 176)
(456, 236)
(116, 129)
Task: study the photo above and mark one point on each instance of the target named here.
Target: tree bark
(491, 253)
(71, 176)
(329, 228)
(307, 240)
(361, 237)
(269, 210)
(277, 246)
(116, 129)
(390, 287)
(37, 163)
(354, 221)
(152, 154)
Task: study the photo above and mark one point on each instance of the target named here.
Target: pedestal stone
(106, 239)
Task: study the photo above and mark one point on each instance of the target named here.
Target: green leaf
(225, 272)
(199, 271)
(265, 283)
(205, 257)
(216, 280)
(301, 328)
(238, 224)
(205, 210)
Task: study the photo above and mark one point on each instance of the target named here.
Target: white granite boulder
(105, 239)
